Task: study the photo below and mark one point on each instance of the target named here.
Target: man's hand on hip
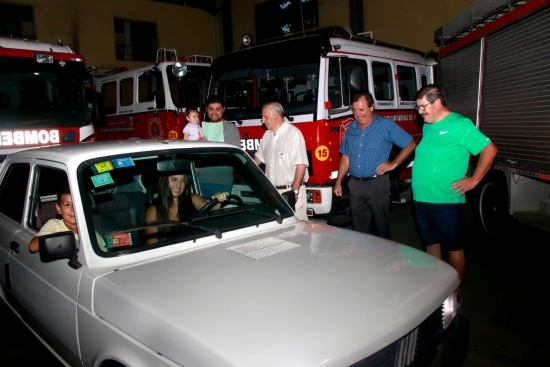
(464, 185)
(384, 167)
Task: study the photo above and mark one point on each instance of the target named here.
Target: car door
(45, 294)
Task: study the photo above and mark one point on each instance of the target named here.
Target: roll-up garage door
(459, 80)
(516, 94)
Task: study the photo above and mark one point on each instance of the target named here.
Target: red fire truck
(494, 68)
(314, 76)
(42, 98)
(149, 102)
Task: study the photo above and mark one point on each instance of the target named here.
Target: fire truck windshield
(191, 84)
(247, 90)
(41, 95)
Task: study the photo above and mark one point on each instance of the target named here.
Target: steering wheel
(231, 199)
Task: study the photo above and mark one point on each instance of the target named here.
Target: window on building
(17, 21)
(135, 41)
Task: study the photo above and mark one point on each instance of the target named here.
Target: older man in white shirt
(283, 150)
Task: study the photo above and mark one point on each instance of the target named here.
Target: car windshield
(117, 192)
(41, 95)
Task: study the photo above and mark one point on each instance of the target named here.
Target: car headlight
(450, 309)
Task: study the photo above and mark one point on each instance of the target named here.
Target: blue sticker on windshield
(122, 162)
(102, 179)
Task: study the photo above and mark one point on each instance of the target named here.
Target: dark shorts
(440, 223)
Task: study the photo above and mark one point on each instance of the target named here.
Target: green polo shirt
(442, 158)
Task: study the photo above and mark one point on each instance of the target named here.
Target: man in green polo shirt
(439, 179)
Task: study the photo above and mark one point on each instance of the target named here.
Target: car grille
(410, 348)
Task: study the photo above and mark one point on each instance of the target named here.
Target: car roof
(74, 153)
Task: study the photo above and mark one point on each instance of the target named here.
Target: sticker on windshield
(123, 162)
(119, 240)
(102, 179)
(102, 167)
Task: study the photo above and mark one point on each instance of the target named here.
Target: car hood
(335, 297)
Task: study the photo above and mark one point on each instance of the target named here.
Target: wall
(403, 22)
(410, 23)
(88, 26)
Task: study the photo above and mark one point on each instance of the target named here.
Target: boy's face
(193, 117)
(65, 208)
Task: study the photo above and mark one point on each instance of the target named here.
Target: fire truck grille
(410, 348)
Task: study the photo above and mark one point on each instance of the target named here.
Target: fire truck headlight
(247, 40)
(43, 58)
(314, 196)
(179, 69)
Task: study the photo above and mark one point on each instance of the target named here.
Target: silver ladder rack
(474, 17)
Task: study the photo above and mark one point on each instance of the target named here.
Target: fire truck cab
(314, 77)
(42, 97)
(149, 102)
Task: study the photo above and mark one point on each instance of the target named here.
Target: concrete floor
(505, 288)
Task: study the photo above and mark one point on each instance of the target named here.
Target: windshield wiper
(214, 231)
(224, 212)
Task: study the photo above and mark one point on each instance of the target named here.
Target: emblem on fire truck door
(155, 128)
(344, 128)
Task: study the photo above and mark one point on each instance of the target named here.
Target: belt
(365, 178)
(282, 187)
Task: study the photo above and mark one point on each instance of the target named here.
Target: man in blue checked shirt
(365, 153)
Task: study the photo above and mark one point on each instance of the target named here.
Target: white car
(246, 285)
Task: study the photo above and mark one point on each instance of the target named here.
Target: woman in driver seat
(175, 203)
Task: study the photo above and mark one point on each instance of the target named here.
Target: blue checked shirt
(368, 148)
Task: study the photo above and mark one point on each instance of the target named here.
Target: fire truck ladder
(166, 54)
(473, 17)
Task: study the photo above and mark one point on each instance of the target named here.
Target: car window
(50, 182)
(118, 190)
(13, 191)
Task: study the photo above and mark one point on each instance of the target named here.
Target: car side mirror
(57, 246)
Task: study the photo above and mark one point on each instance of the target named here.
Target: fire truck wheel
(493, 205)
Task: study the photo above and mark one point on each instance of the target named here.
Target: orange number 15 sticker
(322, 153)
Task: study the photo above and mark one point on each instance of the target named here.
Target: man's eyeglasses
(423, 107)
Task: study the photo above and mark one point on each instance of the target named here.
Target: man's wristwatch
(296, 191)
